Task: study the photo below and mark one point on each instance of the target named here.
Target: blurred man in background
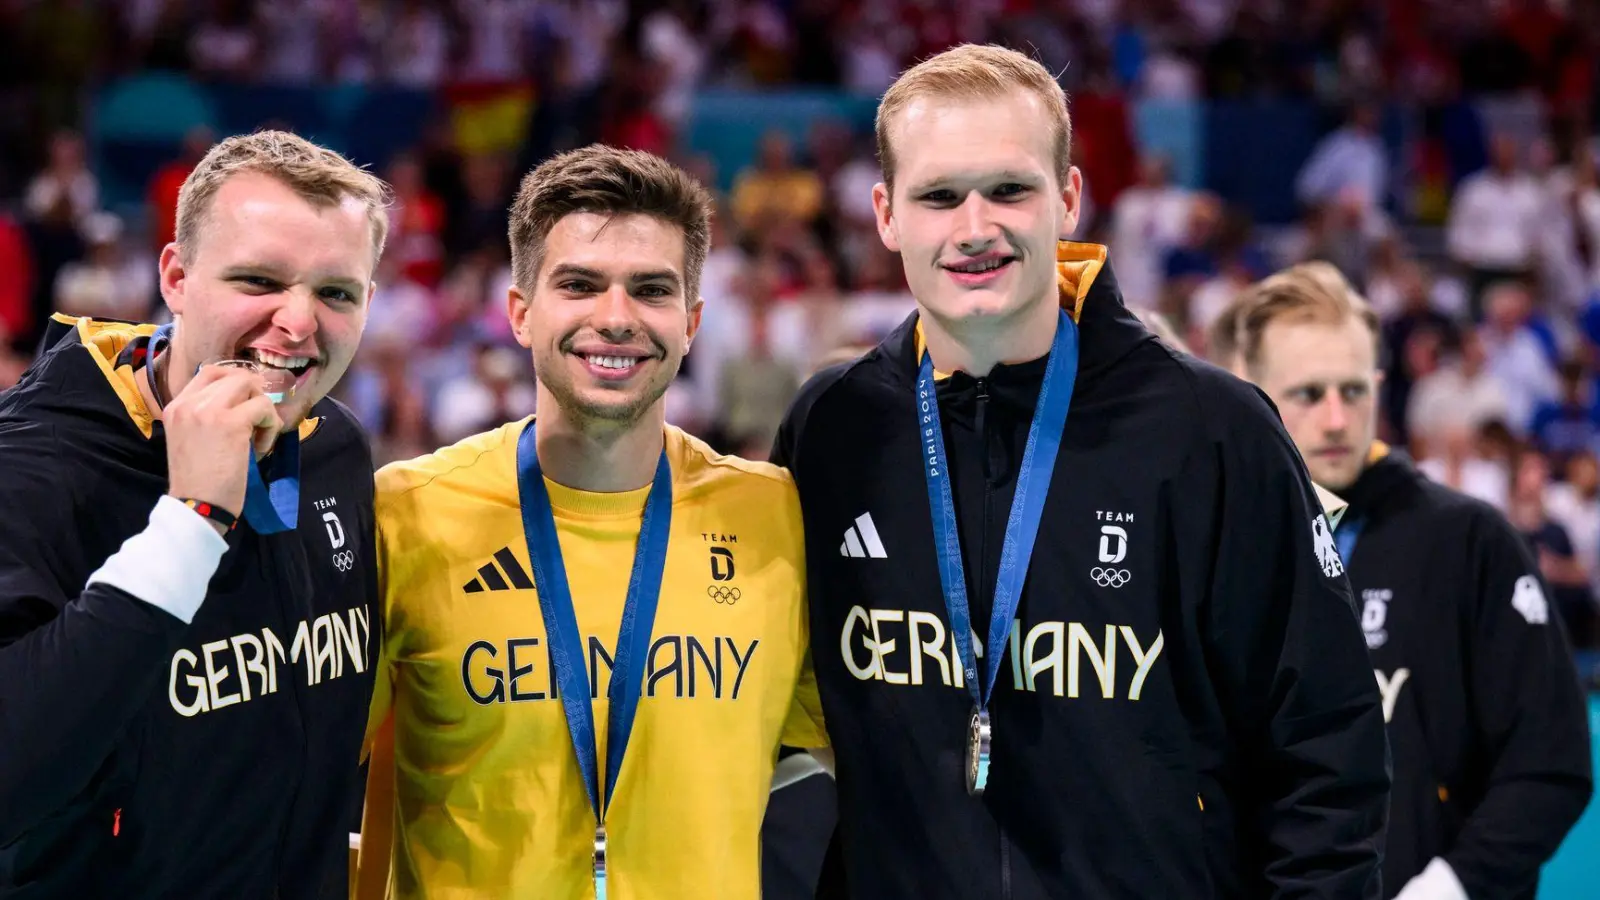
(1487, 724)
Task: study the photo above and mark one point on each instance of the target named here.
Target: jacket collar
(1387, 469)
(117, 349)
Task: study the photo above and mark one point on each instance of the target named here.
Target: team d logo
(1113, 549)
(721, 564)
(1375, 615)
(1113, 543)
(1327, 550)
(343, 559)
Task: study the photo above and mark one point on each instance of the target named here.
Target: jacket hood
(1387, 471)
(107, 342)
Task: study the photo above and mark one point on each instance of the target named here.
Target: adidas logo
(489, 575)
(861, 540)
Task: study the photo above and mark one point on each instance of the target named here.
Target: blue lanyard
(561, 626)
(1022, 527)
(272, 491)
(272, 486)
(1344, 537)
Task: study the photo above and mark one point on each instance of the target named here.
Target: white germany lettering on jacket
(1389, 687)
(1049, 657)
(201, 682)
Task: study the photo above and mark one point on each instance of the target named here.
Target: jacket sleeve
(1292, 671)
(78, 660)
(1528, 710)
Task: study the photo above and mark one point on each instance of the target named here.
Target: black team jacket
(142, 756)
(1187, 709)
(1487, 722)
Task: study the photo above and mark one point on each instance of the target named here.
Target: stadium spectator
(1493, 231)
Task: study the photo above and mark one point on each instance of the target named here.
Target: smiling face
(608, 320)
(976, 207)
(273, 278)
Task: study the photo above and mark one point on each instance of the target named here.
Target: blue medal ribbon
(1022, 527)
(272, 488)
(561, 627)
(1344, 537)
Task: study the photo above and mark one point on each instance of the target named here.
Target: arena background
(1426, 147)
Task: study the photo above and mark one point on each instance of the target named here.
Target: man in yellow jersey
(595, 632)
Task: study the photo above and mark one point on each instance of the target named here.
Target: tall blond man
(1077, 631)
(186, 558)
(595, 632)
(1486, 719)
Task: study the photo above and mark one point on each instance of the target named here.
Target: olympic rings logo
(728, 595)
(1113, 578)
(344, 560)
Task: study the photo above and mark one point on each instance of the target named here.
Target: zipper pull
(116, 822)
(979, 421)
(983, 404)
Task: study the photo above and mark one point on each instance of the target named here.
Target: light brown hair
(1306, 292)
(1162, 327)
(317, 174)
(608, 181)
(976, 72)
(1222, 338)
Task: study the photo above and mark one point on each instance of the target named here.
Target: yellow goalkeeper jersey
(475, 789)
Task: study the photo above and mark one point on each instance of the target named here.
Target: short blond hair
(976, 72)
(319, 175)
(1306, 292)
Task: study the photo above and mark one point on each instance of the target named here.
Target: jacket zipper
(984, 582)
(1005, 864)
(980, 421)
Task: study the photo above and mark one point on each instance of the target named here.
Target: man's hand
(212, 427)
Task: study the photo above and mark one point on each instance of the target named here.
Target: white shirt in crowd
(1494, 221)
(1450, 399)
(1347, 162)
(1526, 376)
(1580, 516)
(1475, 477)
(1145, 223)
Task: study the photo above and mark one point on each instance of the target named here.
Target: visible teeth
(281, 362)
(613, 362)
(983, 266)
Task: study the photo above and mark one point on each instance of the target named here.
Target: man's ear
(173, 277)
(884, 213)
(1072, 201)
(517, 308)
(695, 309)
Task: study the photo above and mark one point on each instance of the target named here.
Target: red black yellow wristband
(215, 513)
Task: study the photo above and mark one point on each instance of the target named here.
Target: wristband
(215, 513)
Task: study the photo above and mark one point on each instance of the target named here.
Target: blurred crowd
(1486, 273)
